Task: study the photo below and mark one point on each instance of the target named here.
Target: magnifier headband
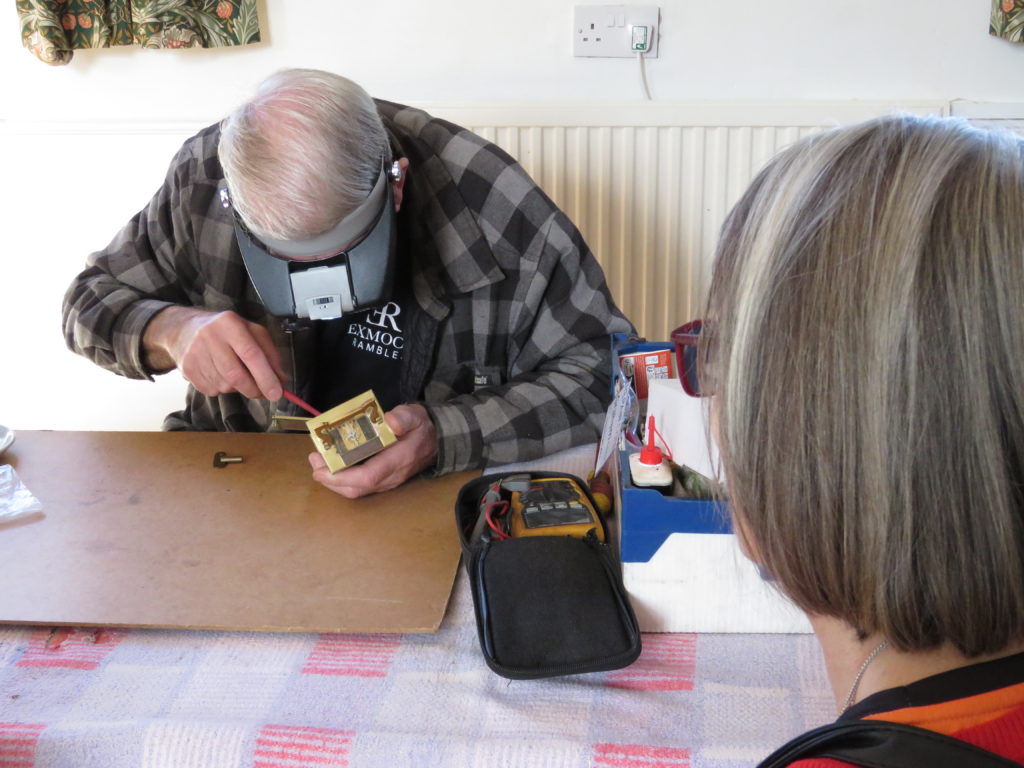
(355, 270)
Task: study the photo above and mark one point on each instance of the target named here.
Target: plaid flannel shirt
(507, 344)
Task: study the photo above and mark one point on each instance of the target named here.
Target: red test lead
(292, 397)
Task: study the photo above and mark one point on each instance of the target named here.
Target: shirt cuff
(128, 331)
(459, 445)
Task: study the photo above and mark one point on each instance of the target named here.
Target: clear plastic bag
(16, 501)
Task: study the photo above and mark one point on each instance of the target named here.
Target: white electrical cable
(643, 75)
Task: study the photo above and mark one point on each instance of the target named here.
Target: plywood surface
(139, 529)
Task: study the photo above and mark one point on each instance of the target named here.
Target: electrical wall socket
(615, 30)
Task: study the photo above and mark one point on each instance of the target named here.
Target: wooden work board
(139, 529)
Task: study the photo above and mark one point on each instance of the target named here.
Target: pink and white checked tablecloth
(186, 699)
(115, 698)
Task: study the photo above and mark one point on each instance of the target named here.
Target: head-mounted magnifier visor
(356, 273)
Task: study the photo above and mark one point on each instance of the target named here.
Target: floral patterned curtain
(52, 29)
(1008, 20)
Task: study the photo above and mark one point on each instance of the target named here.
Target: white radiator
(649, 185)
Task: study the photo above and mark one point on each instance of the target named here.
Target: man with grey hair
(320, 241)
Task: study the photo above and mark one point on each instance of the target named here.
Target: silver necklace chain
(860, 673)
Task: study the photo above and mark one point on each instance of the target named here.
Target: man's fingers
(228, 370)
(257, 377)
(263, 338)
(233, 375)
(401, 421)
(415, 450)
(376, 474)
(200, 370)
(257, 352)
(229, 354)
(352, 482)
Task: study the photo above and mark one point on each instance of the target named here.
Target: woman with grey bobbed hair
(865, 349)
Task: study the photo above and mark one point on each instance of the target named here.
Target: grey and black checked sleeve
(558, 361)
(150, 264)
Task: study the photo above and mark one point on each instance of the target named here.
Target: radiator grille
(649, 200)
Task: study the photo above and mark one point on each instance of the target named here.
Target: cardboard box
(681, 563)
(684, 571)
(646, 367)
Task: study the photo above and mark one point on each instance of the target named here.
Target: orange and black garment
(982, 704)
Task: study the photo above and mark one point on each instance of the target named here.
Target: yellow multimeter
(553, 506)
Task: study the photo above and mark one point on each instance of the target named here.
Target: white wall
(83, 146)
(485, 50)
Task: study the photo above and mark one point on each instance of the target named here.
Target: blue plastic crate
(647, 518)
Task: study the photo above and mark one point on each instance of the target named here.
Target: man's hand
(217, 352)
(414, 452)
